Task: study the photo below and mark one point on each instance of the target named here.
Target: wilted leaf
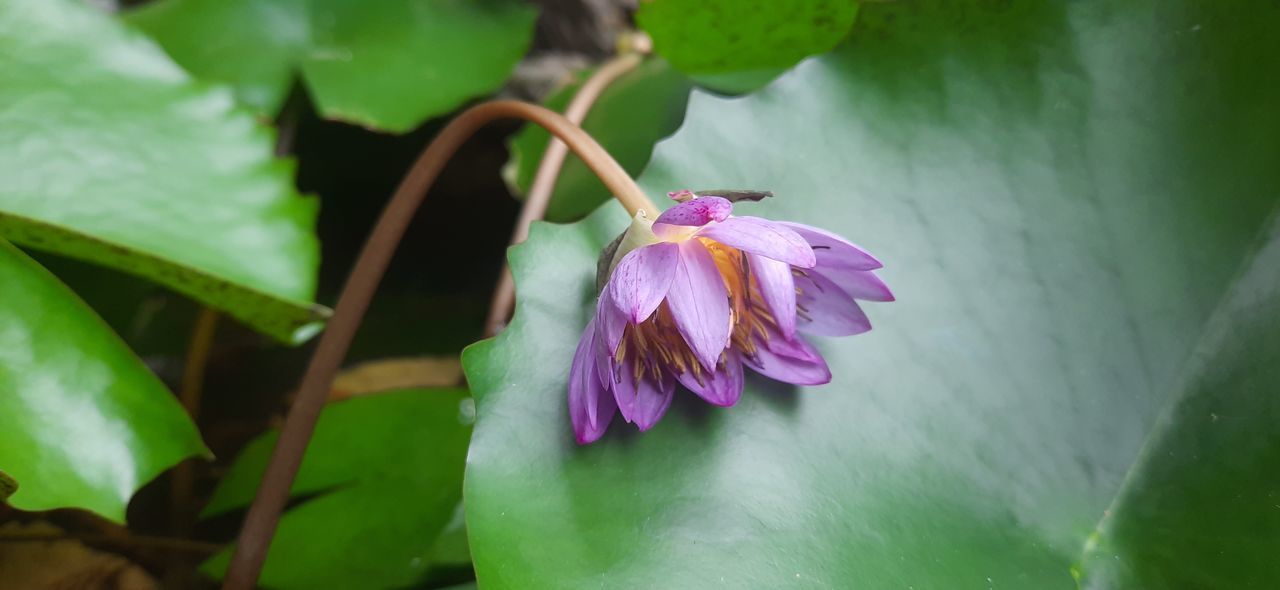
(110, 153)
(398, 373)
(55, 564)
(83, 423)
(386, 473)
(388, 65)
(638, 109)
(8, 486)
(1062, 194)
(740, 45)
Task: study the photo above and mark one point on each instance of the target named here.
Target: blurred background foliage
(1076, 205)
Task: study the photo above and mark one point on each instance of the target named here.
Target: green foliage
(739, 45)
(112, 154)
(638, 109)
(1063, 201)
(1201, 507)
(83, 423)
(387, 65)
(381, 477)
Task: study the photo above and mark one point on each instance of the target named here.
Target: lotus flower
(697, 294)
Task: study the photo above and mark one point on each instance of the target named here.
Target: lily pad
(112, 154)
(1201, 507)
(736, 46)
(1062, 194)
(83, 422)
(387, 65)
(381, 479)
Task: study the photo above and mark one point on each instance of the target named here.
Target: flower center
(655, 344)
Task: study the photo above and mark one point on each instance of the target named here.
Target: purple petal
(722, 387)
(591, 408)
(790, 361)
(699, 303)
(763, 237)
(834, 251)
(697, 212)
(604, 363)
(778, 289)
(643, 400)
(859, 284)
(611, 322)
(652, 400)
(642, 279)
(826, 310)
(624, 390)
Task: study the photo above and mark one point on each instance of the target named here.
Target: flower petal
(652, 400)
(826, 310)
(778, 288)
(642, 401)
(697, 212)
(722, 387)
(859, 284)
(789, 361)
(604, 362)
(591, 408)
(763, 237)
(832, 250)
(699, 304)
(611, 323)
(642, 279)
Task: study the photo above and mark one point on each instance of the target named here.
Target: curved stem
(273, 492)
(544, 182)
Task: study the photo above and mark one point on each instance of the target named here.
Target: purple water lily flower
(698, 293)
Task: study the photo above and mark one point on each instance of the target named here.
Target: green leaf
(736, 46)
(385, 471)
(1062, 193)
(451, 548)
(1201, 507)
(386, 65)
(83, 423)
(111, 154)
(638, 109)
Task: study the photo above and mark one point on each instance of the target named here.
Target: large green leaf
(740, 45)
(388, 65)
(83, 423)
(1201, 508)
(386, 473)
(638, 109)
(110, 153)
(1061, 192)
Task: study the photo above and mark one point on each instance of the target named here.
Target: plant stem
(183, 480)
(544, 182)
(190, 392)
(273, 493)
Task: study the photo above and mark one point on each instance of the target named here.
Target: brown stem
(190, 392)
(182, 482)
(273, 493)
(544, 181)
